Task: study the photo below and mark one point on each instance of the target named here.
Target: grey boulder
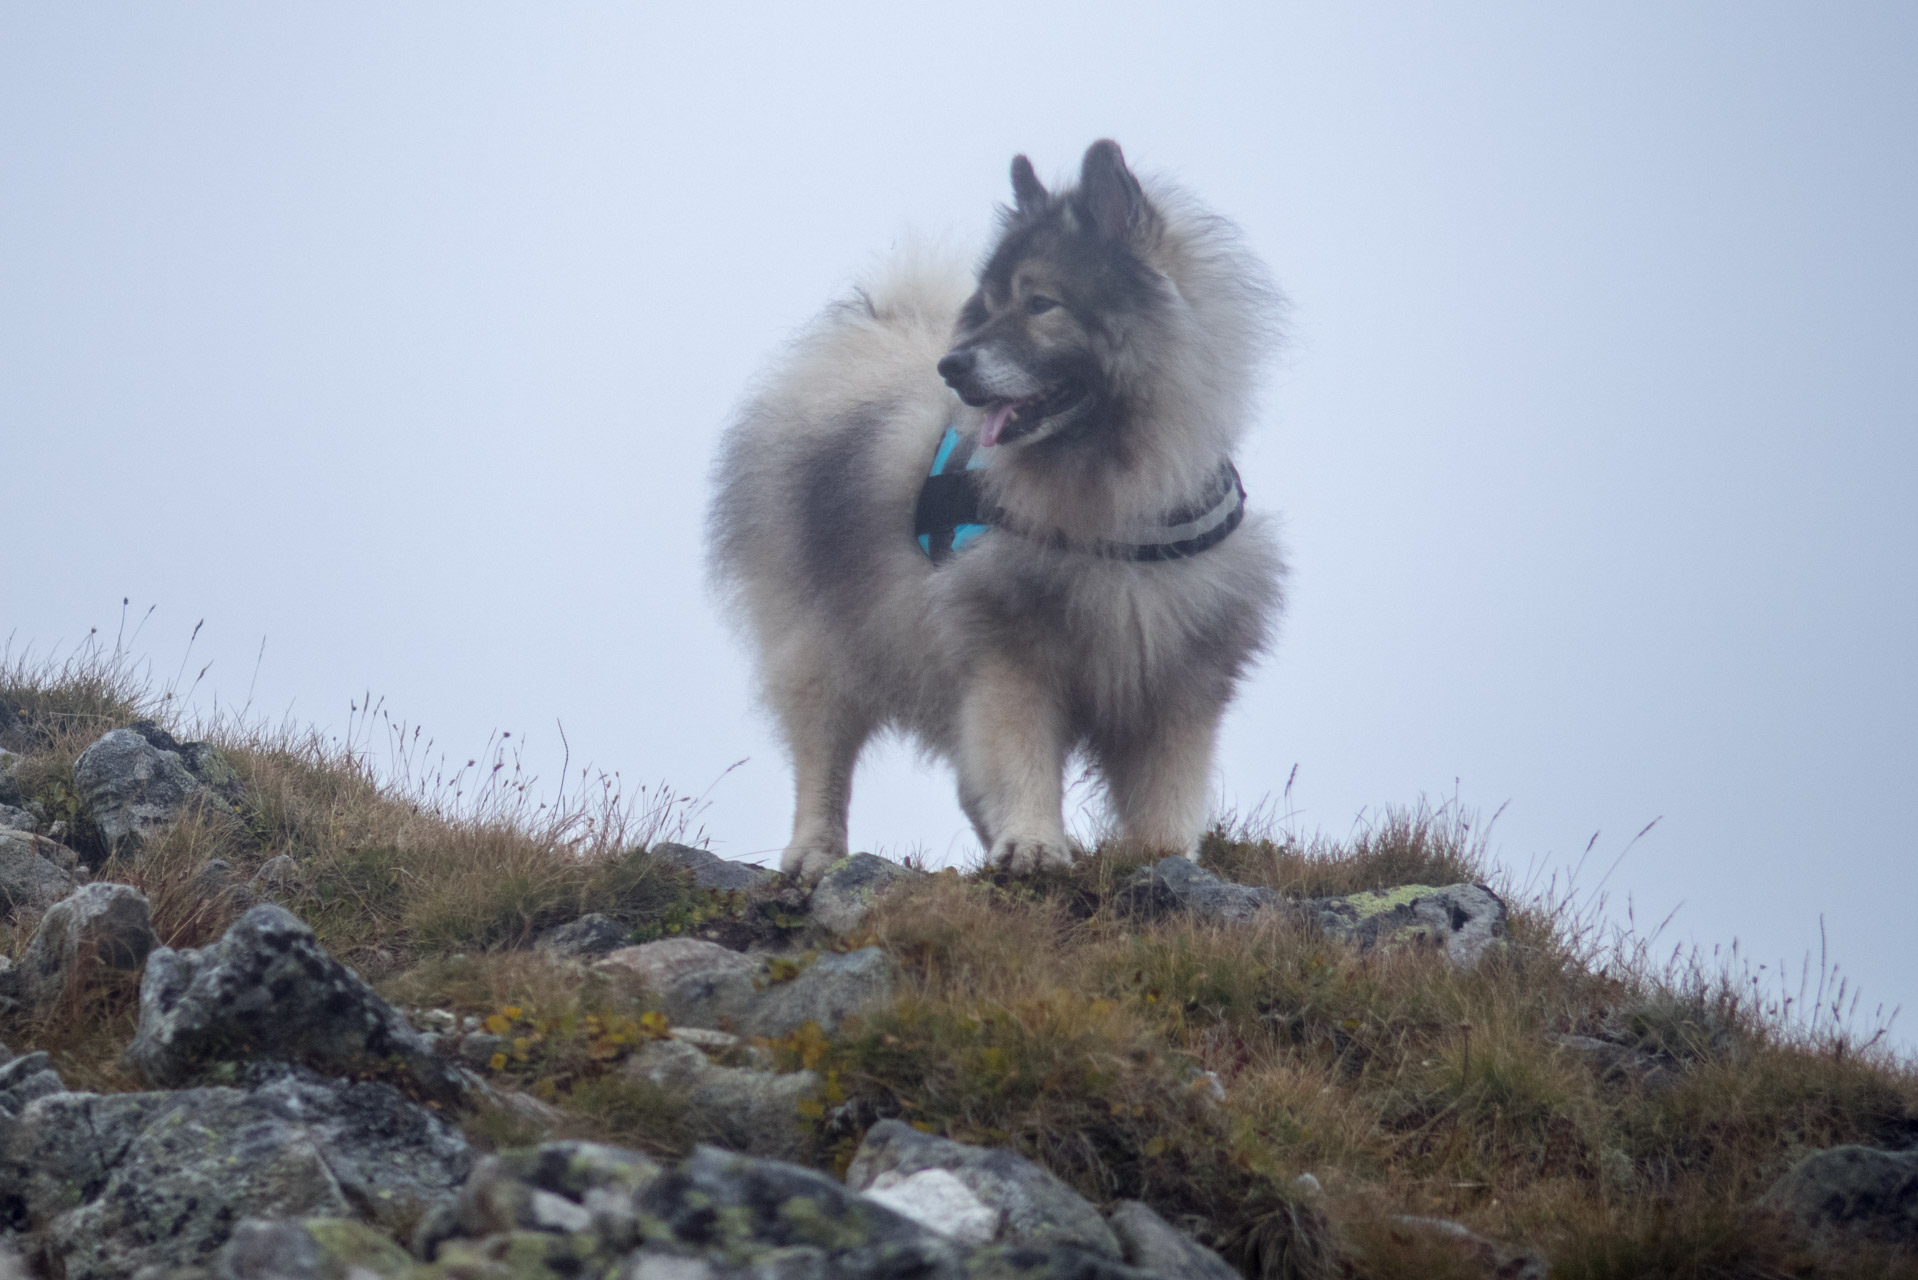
(710, 871)
(848, 891)
(1035, 1208)
(268, 991)
(826, 992)
(698, 983)
(779, 1219)
(15, 819)
(118, 1182)
(557, 1187)
(309, 1249)
(132, 789)
(35, 872)
(1153, 1244)
(25, 1079)
(1463, 920)
(1180, 884)
(593, 934)
(756, 1112)
(702, 984)
(1854, 1191)
(98, 926)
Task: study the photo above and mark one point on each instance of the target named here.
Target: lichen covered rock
(268, 991)
(1854, 1192)
(847, 892)
(309, 1249)
(710, 871)
(131, 789)
(118, 1182)
(35, 872)
(1034, 1207)
(1462, 920)
(101, 926)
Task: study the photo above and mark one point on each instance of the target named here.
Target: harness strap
(952, 511)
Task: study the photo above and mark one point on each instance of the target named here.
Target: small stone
(706, 1038)
(34, 871)
(846, 894)
(668, 1064)
(1153, 1244)
(26, 1078)
(710, 871)
(827, 991)
(437, 1021)
(1616, 1171)
(695, 982)
(1497, 1260)
(593, 934)
(936, 1199)
(713, 1197)
(1036, 1208)
(308, 1249)
(98, 926)
(756, 1112)
(573, 1169)
(277, 874)
(1178, 883)
(548, 1212)
(478, 1048)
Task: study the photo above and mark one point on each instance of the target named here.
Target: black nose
(956, 365)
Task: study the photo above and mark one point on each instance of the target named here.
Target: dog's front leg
(1160, 780)
(1012, 755)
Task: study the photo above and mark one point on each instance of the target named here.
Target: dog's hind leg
(825, 735)
(1160, 781)
(1013, 744)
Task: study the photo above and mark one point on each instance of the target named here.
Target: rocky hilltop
(273, 1017)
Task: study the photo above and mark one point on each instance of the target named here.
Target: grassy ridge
(1036, 1016)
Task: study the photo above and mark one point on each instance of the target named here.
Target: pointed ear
(1026, 189)
(1111, 195)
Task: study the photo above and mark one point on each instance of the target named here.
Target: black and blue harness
(952, 512)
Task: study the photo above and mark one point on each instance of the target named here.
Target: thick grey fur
(1151, 319)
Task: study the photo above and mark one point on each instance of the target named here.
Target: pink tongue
(996, 424)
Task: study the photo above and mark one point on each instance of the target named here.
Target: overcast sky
(400, 336)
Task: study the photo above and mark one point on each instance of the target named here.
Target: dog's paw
(1023, 855)
(809, 861)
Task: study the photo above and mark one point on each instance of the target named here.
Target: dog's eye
(1038, 304)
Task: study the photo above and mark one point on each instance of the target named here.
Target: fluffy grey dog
(1002, 517)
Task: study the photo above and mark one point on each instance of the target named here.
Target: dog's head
(1041, 343)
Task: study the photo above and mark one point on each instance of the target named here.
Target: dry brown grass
(1035, 1016)
(1038, 1019)
(399, 860)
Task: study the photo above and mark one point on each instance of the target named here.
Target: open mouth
(1007, 420)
